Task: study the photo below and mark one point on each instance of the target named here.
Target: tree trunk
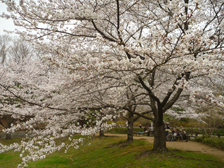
(130, 127)
(101, 133)
(8, 136)
(6, 122)
(159, 135)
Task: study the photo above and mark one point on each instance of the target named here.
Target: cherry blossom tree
(150, 51)
(32, 88)
(4, 46)
(13, 51)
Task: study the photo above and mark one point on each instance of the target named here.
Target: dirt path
(186, 146)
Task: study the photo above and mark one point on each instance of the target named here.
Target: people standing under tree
(174, 130)
(167, 130)
(184, 135)
(167, 126)
(178, 134)
(181, 128)
(148, 131)
(140, 125)
(145, 129)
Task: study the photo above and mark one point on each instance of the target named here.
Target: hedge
(212, 141)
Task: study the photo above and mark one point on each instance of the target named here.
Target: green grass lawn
(108, 152)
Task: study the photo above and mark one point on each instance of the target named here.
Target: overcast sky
(5, 24)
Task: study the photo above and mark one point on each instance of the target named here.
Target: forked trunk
(130, 127)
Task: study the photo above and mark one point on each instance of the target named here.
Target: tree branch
(149, 90)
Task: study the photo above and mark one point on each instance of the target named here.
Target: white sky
(4, 23)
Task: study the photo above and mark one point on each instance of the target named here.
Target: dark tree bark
(159, 135)
(6, 122)
(8, 136)
(130, 127)
(101, 133)
(131, 119)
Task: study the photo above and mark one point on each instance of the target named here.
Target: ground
(183, 145)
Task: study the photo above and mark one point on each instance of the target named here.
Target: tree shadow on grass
(151, 153)
(169, 153)
(121, 144)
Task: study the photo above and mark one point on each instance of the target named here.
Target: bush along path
(183, 145)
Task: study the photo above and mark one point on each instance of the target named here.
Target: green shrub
(123, 130)
(202, 131)
(194, 130)
(118, 130)
(199, 138)
(220, 133)
(212, 141)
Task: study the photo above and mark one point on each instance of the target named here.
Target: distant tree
(13, 51)
(20, 50)
(4, 47)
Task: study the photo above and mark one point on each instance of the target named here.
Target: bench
(139, 133)
(189, 137)
(192, 136)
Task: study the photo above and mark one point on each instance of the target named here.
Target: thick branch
(99, 31)
(118, 15)
(142, 115)
(149, 90)
(173, 100)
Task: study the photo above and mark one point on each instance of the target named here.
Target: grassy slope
(105, 153)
